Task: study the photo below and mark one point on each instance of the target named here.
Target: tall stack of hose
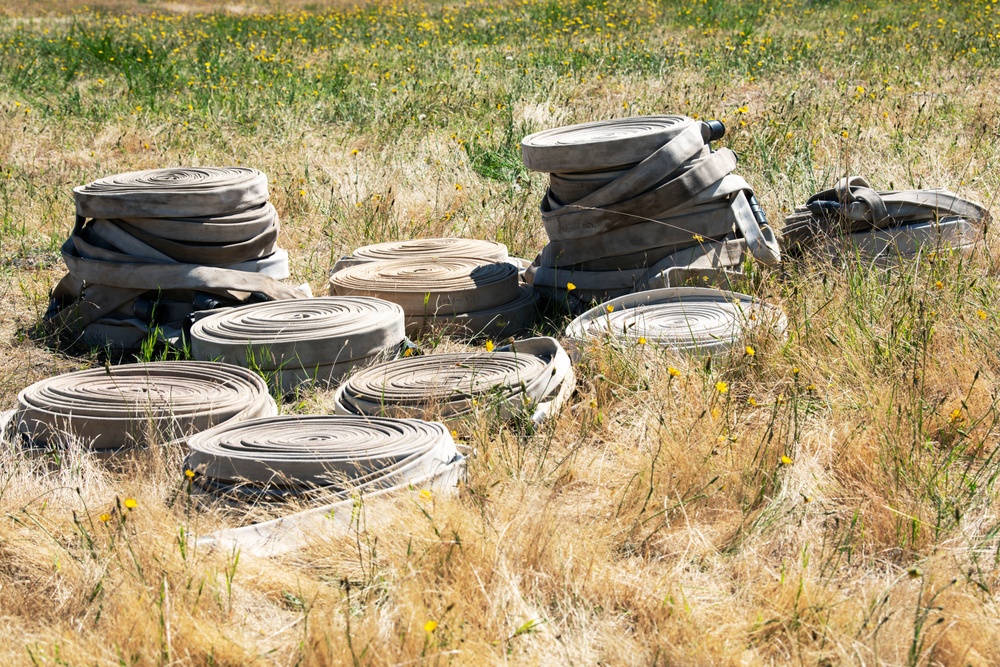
(303, 341)
(853, 217)
(150, 247)
(529, 377)
(333, 463)
(640, 202)
(108, 409)
(456, 295)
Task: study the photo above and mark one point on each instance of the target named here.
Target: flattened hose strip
(425, 249)
(333, 463)
(108, 409)
(532, 376)
(301, 341)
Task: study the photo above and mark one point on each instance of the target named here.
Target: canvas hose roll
(457, 295)
(855, 218)
(300, 342)
(425, 249)
(331, 464)
(531, 377)
(687, 319)
(150, 247)
(109, 409)
(641, 202)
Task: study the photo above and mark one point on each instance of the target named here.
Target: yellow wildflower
(490, 346)
(721, 387)
(130, 503)
(673, 372)
(785, 460)
(570, 287)
(642, 340)
(751, 351)
(430, 626)
(105, 517)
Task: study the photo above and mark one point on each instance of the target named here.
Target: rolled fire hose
(686, 319)
(150, 247)
(630, 200)
(532, 376)
(303, 341)
(332, 463)
(458, 295)
(109, 409)
(425, 249)
(853, 217)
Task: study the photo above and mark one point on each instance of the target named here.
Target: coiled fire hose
(456, 295)
(302, 341)
(532, 376)
(332, 463)
(641, 202)
(151, 247)
(687, 319)
(425, 249)
(852, 216)
(109, 409)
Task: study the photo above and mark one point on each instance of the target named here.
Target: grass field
(836, 504)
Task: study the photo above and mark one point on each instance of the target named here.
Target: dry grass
(653, 522)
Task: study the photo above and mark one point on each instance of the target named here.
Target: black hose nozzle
(716, 129)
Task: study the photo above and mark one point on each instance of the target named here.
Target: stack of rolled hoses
(633, 201)
(300, 342)
(687, 319)
(113, 408)
(330, 463)
(456, 295)
(851, 217)
(529, 377)
(150, 247)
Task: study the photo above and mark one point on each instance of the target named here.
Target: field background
(656, 521)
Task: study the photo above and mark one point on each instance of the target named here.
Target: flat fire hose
(530, 377)
(335, 465)
(457, 295)
(631, 202)
(303, 341)
(109, 409)
(687, 319)
(150, 247)
(852, 217)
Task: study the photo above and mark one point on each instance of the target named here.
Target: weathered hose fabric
(331, 463)
(302, 341)
(687, 319)
(529, 377)
(632, 202)
(425, 249)
(108, 409)
(457, 295)
(855, 218)
(150, 247)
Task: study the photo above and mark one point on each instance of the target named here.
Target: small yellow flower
(955, 416)
(610, 308)
(105, 517)
(939, 285)
(844, 134)
(490, 346)
(721, 387)
(570, 287)
(302, 193)
(785, 460)
(593, 402)
(189, 473)
(430, 626)
(673, 372)
(795, 370)
(354, 152)
(130, 503)
(425, 494)
(982, 314)
(458, 186)
(642, 340)
(751, 351)
(698, 238)
(752, 401)
(454, 433)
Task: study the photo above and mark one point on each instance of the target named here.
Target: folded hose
(331, 463)
(425, 249)
(109, 409)
(852, 216)
(150, 247)
(640, 202)
(528, 377)
(302, 341)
